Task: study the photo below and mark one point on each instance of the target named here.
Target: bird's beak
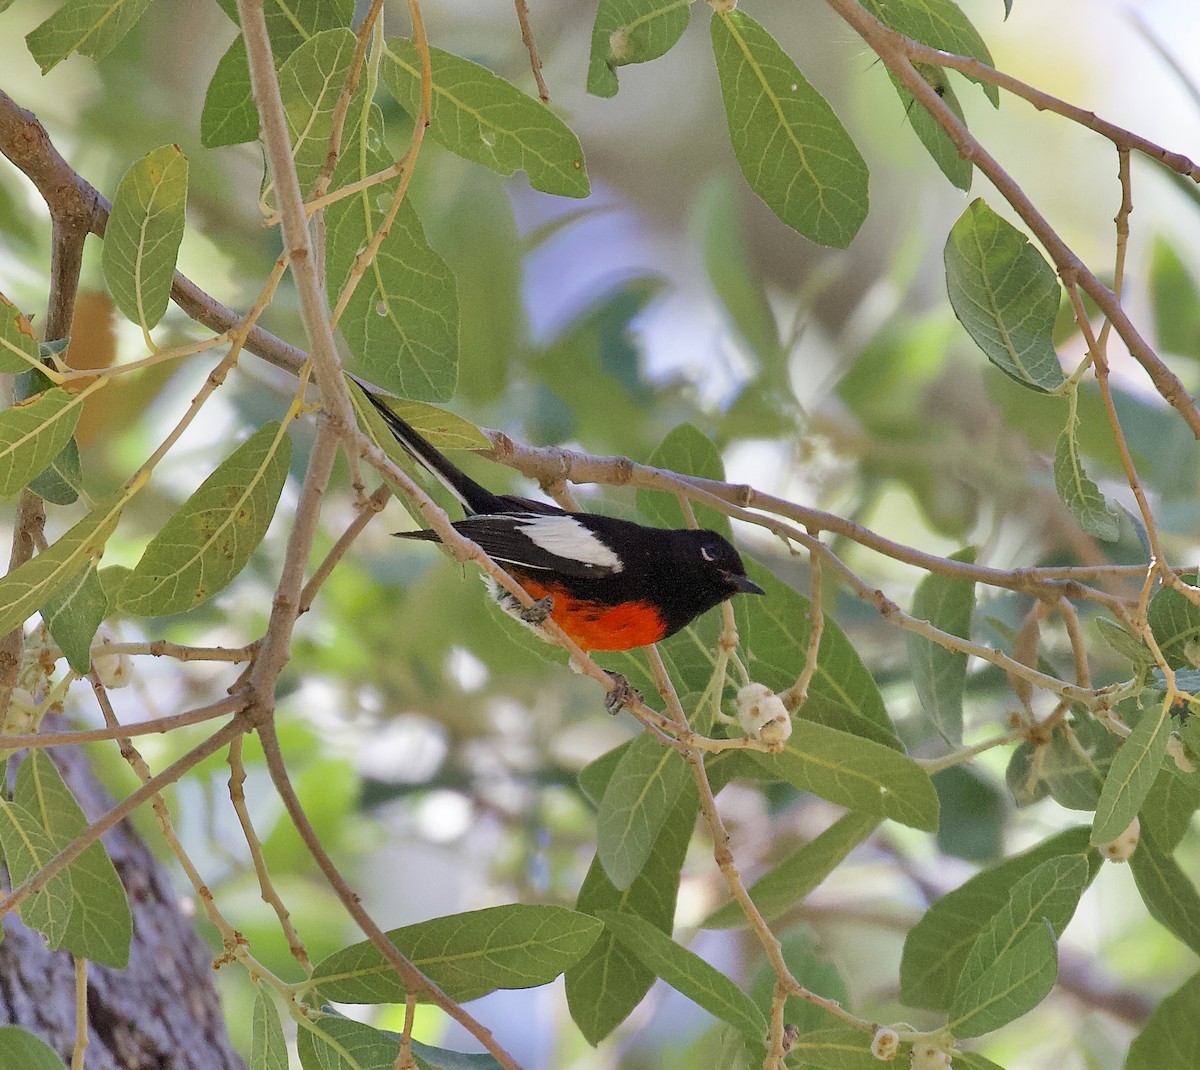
(745, 585)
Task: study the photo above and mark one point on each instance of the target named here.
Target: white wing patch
(564, 536)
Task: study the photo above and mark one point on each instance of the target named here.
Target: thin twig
(535, 60)
(81, 1013)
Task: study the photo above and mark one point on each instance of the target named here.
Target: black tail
(472, 497)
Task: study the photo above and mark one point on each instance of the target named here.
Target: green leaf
(593, 778)
(1046, 896)
(1132, 774)
(1125, 641)
(19, 1048)
(856, 773)
(27, 847)
(833, 1049)
(641, 793)
(1006, 296)
(1167, 811)
(291, 23)
(1170, 1039)
(229, 116)
(18, 343)
(431, 1058)
(61, 482)
(209, 539)
(100, 926)
(1075, 774)
(687, 451)
(940, 675)
(268, 1046)
(401, 324)
(468, 955)
(686, 972)
(792, 149)
(89, 27)
(936, 141)
(609, 981)
(1175, 621)
(1091, 511)
(939, 24)
(310, 82)
(777, 631)
(443, 429)
(26, 589)
(32, 434)
(331, 1042)
(73, 616)
(971, 1060)
(1016, 982)
(790, 881)
(1169, 895)
(482, 118)
(143, 233)
(937, 946)
(632, 31)
(1175, 301)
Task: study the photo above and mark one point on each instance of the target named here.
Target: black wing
(560, 543)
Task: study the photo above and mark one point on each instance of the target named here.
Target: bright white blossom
(927, 1056)
(114, 670)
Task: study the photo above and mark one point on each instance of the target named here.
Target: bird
(610, 584)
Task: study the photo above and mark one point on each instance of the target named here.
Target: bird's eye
(707, 554)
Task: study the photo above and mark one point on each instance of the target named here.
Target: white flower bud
(928, 1056)
(1121, 849)
(762, 714)
(885, 1044)
(114, 670)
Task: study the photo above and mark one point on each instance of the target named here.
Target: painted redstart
(610, 584)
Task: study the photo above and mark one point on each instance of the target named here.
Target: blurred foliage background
(436, 755)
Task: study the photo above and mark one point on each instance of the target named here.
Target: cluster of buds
(929, 1056)
(762, 714)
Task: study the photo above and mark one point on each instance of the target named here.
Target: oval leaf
(26, 589)
(27, 847)
(21, 1048)
(1012, 985)
(854, 772)
(212, 535)
(641, 793)
(1132, 774)
(609, 981)
(1081, 495)
(268, 1046)
(100, 926)
(687, 972)
(73, 616)
(940, 675)
(791, 147)
(32, 434)
(310, 82)
(401, 323)
(482, 118)
(1047, 895)
(142, 236)
(1169, 895)
(468, 955)
(1006, 296)
(90, 27)
(937, 946)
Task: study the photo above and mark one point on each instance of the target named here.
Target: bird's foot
(538, 612)
(621, 694)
